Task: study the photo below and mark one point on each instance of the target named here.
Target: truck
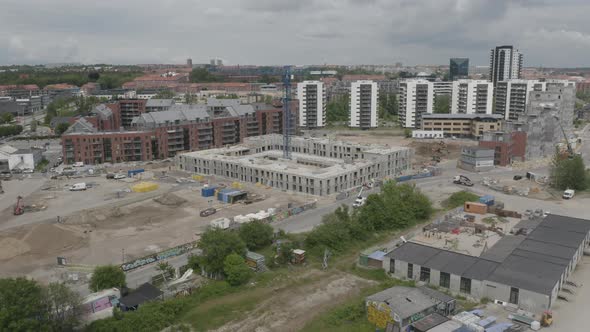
(462, 180)
(360, 200)
(568, 194)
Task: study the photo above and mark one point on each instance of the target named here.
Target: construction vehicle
(462, 180)
(570, 150)
(19, 207)
(547, 318)
(360, 200)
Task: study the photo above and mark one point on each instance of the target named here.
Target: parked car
(119, 176)
(207, 212)
(517, 177)
(27, 170)
(78, 164)
(110, 176)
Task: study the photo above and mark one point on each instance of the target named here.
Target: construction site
(314, 166)
(113, 221)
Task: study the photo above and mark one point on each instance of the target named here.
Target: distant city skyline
(275, 32)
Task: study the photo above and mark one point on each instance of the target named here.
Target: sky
(550, 33)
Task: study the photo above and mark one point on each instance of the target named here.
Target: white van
(78, 164)
(78, 186)
(569, 193)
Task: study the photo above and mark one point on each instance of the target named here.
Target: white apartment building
(472, 97)
(505, 64)
(363, 104)
(512, 97)
(415, 97)
(312, 104)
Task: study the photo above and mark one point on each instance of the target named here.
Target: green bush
(256, 234)
(9, 130)
(107, 276)
(459, 198)
(236, 270)
(217, 244)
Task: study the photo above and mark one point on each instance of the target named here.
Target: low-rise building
(427, 134)
(157, 105)
(462, 125)
(527, 270)
(476, 159)
(507, 146)
(20, 158)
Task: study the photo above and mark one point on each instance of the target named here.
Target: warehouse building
(318, 166)
(526, 270)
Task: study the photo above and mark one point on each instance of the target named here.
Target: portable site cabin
(255, 261)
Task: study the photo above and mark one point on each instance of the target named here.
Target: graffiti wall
(292, 211)
(172, 252)
(379, 314)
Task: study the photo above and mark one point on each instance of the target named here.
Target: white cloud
(288, 31)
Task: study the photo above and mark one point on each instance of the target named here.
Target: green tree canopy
(64, 306)
(6, 118)
(459, 198)
(338, 110)
(388, 106)
(442, 104)
(202, 75)
(21, 305)
(61, 128)
(216, 245)
(236, 270)
(256, 234)
(8, 130)
(107, 276)
(568, 173)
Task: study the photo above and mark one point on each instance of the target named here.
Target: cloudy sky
(548, 32)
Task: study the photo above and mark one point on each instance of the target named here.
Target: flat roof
(404, 301)
(461, 116)
(429, 322)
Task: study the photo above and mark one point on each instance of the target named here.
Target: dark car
(110, 176)
(207, 212)
(517, 177)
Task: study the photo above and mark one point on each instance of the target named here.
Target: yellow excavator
(547, 318)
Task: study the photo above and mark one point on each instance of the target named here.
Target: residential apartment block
(100, 138)
(472, 97)
(462, 125)
(312, 104)
(415, 99)
(363, 104)
(505, 64)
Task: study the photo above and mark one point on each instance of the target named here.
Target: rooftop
(159, 102)
(462, 116)
(404, 301)
(534, 262)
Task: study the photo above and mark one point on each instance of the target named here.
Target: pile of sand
(48, 239)
(11, 247)
(170, 199)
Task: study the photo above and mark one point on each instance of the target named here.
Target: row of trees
(6, 118)
(27, 306)
(107, 80)
(70, 107)
(9, 130)
(396, 207)
(569, 173)
(388, 107)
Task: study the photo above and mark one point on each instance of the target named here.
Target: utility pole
(287, 113)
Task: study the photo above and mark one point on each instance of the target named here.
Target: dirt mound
(11, 247)
(48, 239)
(170, 199)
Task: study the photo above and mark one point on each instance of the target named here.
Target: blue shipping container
(208, 191)
(133, 172)
(487, 200)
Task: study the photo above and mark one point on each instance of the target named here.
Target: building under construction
(317, 166)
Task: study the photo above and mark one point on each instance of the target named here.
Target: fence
(292, 211)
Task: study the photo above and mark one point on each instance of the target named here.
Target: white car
(27, 170)
(78, 186)
(119, 176)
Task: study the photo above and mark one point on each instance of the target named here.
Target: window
(392, 265)
(424, 274)
(445, 280)
(465, 286)
(410, 271)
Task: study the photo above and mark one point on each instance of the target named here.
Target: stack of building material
(143, 187)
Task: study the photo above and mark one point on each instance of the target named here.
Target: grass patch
(371, 274)
(42, 165)
(459, 198)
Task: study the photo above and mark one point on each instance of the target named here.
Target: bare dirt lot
(290, 308)
(97, 227)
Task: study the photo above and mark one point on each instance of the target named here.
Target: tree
(165, 94)
(93, 76)
(338, 110)
(6, 118)
(236, 270)
(459, 198)
(202, 75)
(9, 130)
(407, 132)
(61, 128)
(64, 306)
(216, 245)
(21, 305)
(34, 125)
(387, 105)
(166, 269)
(568, 173)
(107, 276)
(442, 104)
(256, 234)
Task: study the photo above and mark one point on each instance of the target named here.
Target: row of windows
(444, 277)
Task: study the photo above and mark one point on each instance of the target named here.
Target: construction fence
(171, 252)
(280, 215)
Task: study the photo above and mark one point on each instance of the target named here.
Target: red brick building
(104, 137)
(507, 147)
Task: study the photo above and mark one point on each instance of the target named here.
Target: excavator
(462, 180)
(19, 207)
(570, 150)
